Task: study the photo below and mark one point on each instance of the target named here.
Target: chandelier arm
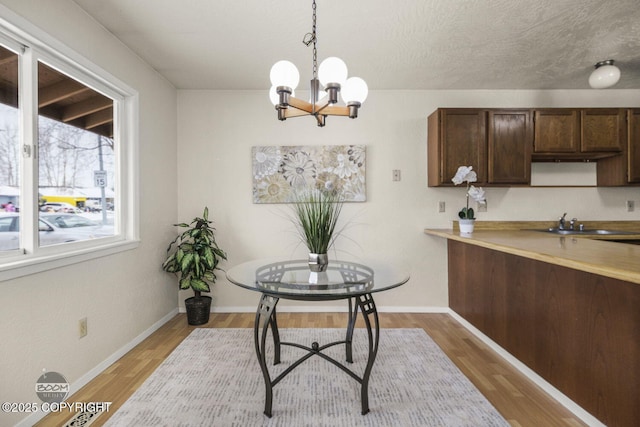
(334, 110)
(301, 105)
(293, 112)
(304, 108)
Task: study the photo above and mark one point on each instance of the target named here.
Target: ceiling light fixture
(332, 75)
(605, 75)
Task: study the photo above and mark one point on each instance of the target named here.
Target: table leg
(276, 336)
(265, 317)
(368, 309)
(351, 322)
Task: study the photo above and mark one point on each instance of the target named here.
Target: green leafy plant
(196, 255)
(466, 174)
(316, 215)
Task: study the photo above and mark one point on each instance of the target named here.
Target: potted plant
(194, 258)
(466, 214)
(316, 215)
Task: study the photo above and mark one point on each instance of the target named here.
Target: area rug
(213, 379)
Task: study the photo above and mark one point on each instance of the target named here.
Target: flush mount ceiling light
(332, 75)
(605, 75)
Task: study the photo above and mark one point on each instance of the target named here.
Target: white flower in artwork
(266, 161)
(339, 160)
(357, 155)
(327, 181)
(272, 189)
(298, 169)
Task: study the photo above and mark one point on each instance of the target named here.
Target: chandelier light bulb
(605, 75)
(332, 70)
(354, 90)
(273, 96)
(284, 73)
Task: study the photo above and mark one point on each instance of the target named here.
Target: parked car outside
(59, 207)
(78, 224)
(52, 229)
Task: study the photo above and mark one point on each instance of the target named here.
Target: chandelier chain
(311, 38)
(315, 39)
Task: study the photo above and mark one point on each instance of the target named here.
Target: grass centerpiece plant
(195, 257)
(316, 215)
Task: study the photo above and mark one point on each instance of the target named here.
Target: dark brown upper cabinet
(496, 142)
(578, 133)
(624, 169)
(456, 137)
(509, 140)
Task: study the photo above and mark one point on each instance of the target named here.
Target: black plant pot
(198, 309)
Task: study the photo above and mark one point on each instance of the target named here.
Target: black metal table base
(266, 319)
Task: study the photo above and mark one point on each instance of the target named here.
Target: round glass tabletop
(294, 280)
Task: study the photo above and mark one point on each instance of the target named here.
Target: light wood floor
(520, 401)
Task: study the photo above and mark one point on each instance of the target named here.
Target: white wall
(121, 295)
(216, 130)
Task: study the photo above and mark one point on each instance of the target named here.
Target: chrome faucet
(561, 221)
(572, 223)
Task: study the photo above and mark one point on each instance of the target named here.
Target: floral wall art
(280, 171)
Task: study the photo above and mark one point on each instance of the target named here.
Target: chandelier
(332, 75)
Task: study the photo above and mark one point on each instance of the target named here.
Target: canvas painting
(280, 171)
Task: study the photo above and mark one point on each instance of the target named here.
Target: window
(67, 143)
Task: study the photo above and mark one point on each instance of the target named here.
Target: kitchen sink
(586, 232)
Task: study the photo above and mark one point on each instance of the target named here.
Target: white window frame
(21, 36)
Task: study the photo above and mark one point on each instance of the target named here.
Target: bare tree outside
(68, 155)
(9, 148)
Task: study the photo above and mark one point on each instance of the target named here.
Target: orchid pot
(466, 225)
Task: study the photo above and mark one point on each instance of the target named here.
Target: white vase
(466, 226)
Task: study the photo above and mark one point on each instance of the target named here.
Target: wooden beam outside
(86, 107)
(7, 57)
(59, 91)
(100, 118)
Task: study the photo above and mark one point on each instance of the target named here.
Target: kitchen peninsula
(567, 307)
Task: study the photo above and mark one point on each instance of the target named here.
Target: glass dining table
(355, 282)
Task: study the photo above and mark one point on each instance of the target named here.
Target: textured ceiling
(401, 44)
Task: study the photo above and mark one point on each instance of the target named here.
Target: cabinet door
(633, 126)
(463, 142)
(509, 140)
(557, 131)
(602, 129)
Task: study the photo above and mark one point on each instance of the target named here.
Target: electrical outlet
(82, 327)
(441, 207)
(631, 206)
(482, 207)
(396, 174)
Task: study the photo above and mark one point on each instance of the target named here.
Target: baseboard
(529, 373)
(343, 308)
(83, 380)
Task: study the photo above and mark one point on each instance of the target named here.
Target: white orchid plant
(468, 175)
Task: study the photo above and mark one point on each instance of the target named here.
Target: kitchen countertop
(610, 259)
